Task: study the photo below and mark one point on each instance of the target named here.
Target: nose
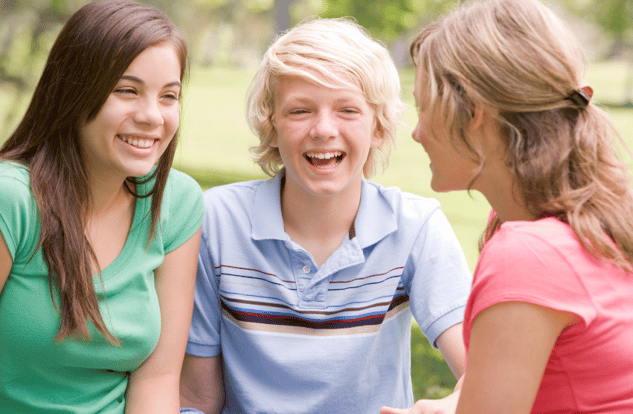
(149, 112)
(414, 134)
(324, 126)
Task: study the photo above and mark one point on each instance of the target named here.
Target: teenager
(98, 236)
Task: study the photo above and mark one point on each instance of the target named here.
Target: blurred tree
(392, 21)
(282, 19)
(27, 30)
(615, 19)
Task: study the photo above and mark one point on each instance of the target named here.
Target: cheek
(172, 119)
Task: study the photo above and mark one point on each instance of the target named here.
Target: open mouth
(137, 142)
(324, 159)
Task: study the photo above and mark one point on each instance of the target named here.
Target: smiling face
(451, 169)
(138, 119)
(323, 135)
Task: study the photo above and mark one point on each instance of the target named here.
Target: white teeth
(137, 142)
(324, 155)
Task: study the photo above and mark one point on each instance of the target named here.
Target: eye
(297, 111)
(172, 96)
(125, 91)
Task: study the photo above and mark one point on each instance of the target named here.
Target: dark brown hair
(91, 53)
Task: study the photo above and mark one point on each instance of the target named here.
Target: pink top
(590, 369)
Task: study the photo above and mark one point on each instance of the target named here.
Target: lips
(136, 141)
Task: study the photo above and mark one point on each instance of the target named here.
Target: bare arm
(5, 262)
(153, 387)
(202, 384)
(451, 345)
(510, 345)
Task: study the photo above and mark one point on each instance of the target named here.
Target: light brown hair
(519, 59)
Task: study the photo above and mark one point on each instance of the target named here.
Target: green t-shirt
(39, 375)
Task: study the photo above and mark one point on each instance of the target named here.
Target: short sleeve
(537, 267)
(18, 210)
(182, 210)
(204, 333)
(440, 281)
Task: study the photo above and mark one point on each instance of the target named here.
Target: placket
(313, 282)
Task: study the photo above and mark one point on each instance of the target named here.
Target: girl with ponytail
(503, 110)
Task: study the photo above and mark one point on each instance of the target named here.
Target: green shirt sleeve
(182, 210)
(19, 219)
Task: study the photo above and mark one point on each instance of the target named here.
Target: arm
(5, 262)
(153, 387)
(451, 345)
(510, 345)
(202, 384)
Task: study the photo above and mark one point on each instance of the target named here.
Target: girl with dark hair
(99, 236)
(503, 110)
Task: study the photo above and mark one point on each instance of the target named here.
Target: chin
(439, 188)
(138, 172)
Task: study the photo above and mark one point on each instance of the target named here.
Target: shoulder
(19, 217)
(237, 190)
(236, 197)
(182, 184)
(182, 187)
(14, 176)
(182, 209)
(15, 184)
(525, 241)
(540, 262)
(406, 206)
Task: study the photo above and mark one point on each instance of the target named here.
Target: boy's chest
(281, 285)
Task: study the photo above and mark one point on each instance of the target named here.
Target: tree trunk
(281, 16)
(628, 80)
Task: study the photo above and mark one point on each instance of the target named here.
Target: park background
(227, 39)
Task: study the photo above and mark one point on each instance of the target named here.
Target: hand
(446, 405)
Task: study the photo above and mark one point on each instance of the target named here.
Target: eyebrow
(140, 81)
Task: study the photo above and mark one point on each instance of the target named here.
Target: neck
(105, 194)
(325, 214)
(319, 224)
(505, 198)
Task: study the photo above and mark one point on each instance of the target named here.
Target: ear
(378, 137)
(483, 130)
(479, 119)
(273, 141)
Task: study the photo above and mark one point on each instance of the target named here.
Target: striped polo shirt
(297, 338)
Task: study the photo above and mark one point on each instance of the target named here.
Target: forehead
(162, 58)
(306, 88)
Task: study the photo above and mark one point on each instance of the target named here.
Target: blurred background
(226, 41)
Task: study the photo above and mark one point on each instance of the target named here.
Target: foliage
(430, 375)
(387, 19)
(613, 16)
(615, 19)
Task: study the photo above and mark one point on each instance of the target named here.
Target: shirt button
(306, 269)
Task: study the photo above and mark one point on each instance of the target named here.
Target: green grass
(214, 150)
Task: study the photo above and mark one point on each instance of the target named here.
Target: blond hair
(344, 56)
(519, 59)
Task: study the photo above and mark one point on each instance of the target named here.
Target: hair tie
(581, 97)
